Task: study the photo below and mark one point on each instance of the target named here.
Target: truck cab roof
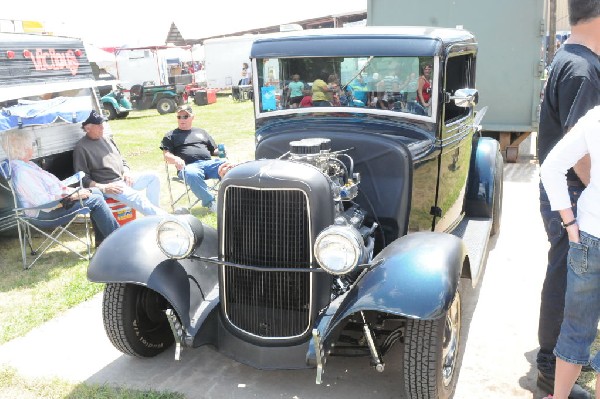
(375, 41)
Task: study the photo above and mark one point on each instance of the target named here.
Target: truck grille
(267, 228)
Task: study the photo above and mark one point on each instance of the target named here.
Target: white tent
(104, 59)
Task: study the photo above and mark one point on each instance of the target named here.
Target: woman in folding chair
(35, 187)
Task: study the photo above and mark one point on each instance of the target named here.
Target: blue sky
(112, 23)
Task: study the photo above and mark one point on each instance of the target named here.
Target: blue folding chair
(59, 226)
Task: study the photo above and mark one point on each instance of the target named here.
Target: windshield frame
(258, 68)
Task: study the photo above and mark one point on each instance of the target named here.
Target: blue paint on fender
(131, 255)
(418, 278)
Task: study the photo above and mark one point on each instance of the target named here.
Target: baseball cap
(185, 108)
(95, 118)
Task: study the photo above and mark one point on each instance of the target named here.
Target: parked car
(165, 98)
(356, 227)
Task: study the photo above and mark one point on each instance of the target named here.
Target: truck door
(456, 135)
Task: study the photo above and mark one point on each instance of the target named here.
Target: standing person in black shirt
(572, 89)
(191, 149)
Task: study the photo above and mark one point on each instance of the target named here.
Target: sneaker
(213, 207)
(546, 383)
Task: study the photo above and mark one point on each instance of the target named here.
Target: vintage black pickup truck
(362, 222)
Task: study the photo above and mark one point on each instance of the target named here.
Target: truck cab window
(362, 82)
(459, 75)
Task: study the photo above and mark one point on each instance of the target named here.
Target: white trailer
(223, 58)
(510, 62)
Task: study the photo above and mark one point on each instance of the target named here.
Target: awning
(67, 109)
(23, 91)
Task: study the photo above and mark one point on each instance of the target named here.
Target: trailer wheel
(166, 106)
(135, 321)
(432, 354)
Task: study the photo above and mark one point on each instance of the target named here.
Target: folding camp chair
(213, 186)
(59, 226)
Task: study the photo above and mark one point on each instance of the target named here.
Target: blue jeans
(148, 203)
(103, 220)
(555, 283)
(582, 303)
(196, 173)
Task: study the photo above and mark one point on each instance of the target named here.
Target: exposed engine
(349, 219)
(317, 152)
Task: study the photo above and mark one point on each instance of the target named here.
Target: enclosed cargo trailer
(510, 62)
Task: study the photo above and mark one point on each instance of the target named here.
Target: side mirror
(464, 97)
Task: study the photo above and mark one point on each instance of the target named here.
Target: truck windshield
(401, 84)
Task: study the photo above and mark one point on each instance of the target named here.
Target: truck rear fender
(416, 276)
(480, 187)
(130, 255)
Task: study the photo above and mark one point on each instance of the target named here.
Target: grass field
(58, 281)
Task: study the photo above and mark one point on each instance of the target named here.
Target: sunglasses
(183, 116)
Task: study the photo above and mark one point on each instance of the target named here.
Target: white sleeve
(570, 149)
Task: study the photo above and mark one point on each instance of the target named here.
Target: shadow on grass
(12, 275)
(145, 116)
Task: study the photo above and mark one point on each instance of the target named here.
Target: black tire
(109, 112)
(166, 106)
(432, 354)
(123, 115)
(498, 189)
(135, 321)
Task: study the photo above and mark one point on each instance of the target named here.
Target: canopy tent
(103, 59)
(99, 56)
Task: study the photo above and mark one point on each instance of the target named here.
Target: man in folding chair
(99, 158)
(191, 149)
(42, 201)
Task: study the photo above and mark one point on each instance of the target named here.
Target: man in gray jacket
(108, 171)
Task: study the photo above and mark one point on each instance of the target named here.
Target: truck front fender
(130, 255)
(416, 276)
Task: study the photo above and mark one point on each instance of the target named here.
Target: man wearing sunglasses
(191, 149)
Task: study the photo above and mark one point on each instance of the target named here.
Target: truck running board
(475, 234)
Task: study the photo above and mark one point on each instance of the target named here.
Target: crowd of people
(390, 90)
(106, 173)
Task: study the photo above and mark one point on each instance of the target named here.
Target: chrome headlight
(338, 249)
(176, 238)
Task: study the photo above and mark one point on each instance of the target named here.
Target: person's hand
(179, 163)
(224, 168)
(573, 232)
(110, 188)
(81, 194)
(128, 179)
